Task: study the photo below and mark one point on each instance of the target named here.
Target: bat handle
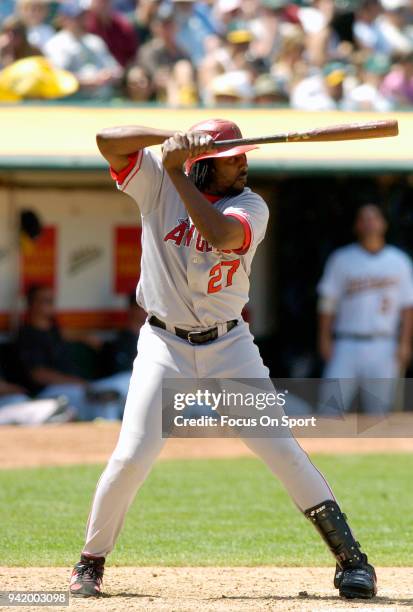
(236, 142)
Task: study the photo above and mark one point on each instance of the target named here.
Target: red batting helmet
(219, 129)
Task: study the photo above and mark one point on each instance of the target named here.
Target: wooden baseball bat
(345, 131)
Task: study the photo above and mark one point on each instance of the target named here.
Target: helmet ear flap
(201, 173)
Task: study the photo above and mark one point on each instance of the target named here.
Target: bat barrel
(349, 131)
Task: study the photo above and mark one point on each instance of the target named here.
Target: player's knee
(127, 469)
(280, 454)
(137, 458)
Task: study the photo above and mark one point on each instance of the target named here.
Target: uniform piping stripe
(248, 233)
(325, 481)
(133, 173)
(121, 175)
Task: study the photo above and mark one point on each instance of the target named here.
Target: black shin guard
(354, 576)
(331, 523)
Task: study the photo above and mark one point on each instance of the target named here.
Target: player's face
(370, 222)
(230, 176)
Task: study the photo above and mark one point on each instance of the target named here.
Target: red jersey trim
(121, 176)
(247, 233)
(212, 198)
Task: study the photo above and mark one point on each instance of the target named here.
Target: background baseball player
(201, 229)
(365, 323)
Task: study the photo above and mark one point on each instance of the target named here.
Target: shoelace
(92, 571)
(359, 571)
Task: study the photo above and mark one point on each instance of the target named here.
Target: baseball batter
(366, 299)
(201, 228)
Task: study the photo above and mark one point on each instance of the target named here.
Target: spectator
(139, 87)
(13, 42)
(366, 30)
(158, 56)
(232, 57)
(49, 367)
(83, 54)
(365, 328)
(344, 20)
(267, 29)
(112, 27)
(398, 84)
(290, 65)
(182, 88)
(317, 17)
(232, 88)
(267, 91)
(142, 18)
(320, 37)
(192, 30)
(366, 96)
(321, 92)
(204, 10)
(34, 14)
(227, 11)
(392, 26)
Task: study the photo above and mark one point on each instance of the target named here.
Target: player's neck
(372, 244)
(212, 197)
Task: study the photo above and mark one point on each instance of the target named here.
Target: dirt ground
(81, 443)
(191, 589)
(211, 589)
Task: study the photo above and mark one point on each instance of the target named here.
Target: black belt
(194, 337)
(345, 336)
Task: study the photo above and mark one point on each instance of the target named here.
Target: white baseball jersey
(185, 281)
(369, 289)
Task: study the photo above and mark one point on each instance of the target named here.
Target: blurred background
(69, 68)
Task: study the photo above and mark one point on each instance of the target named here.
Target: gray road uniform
(187, 284)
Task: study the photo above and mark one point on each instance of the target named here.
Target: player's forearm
(325, 335)
(325, 325)
(127, 139)
(219, 230)
(406, 326)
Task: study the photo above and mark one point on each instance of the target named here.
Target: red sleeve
(247, 234)
(122, 174)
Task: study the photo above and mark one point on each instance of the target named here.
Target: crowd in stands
(312, 55)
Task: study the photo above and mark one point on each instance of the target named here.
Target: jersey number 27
(215, 275)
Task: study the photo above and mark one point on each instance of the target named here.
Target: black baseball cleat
(87, 577)
(356, 582)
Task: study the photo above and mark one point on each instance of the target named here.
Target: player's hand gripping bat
(345, 131)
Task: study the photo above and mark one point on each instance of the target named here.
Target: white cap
(235, 83)
(227, 6)
(394, 5)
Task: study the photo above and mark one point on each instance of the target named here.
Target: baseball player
(201, 228)
(365, 324)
